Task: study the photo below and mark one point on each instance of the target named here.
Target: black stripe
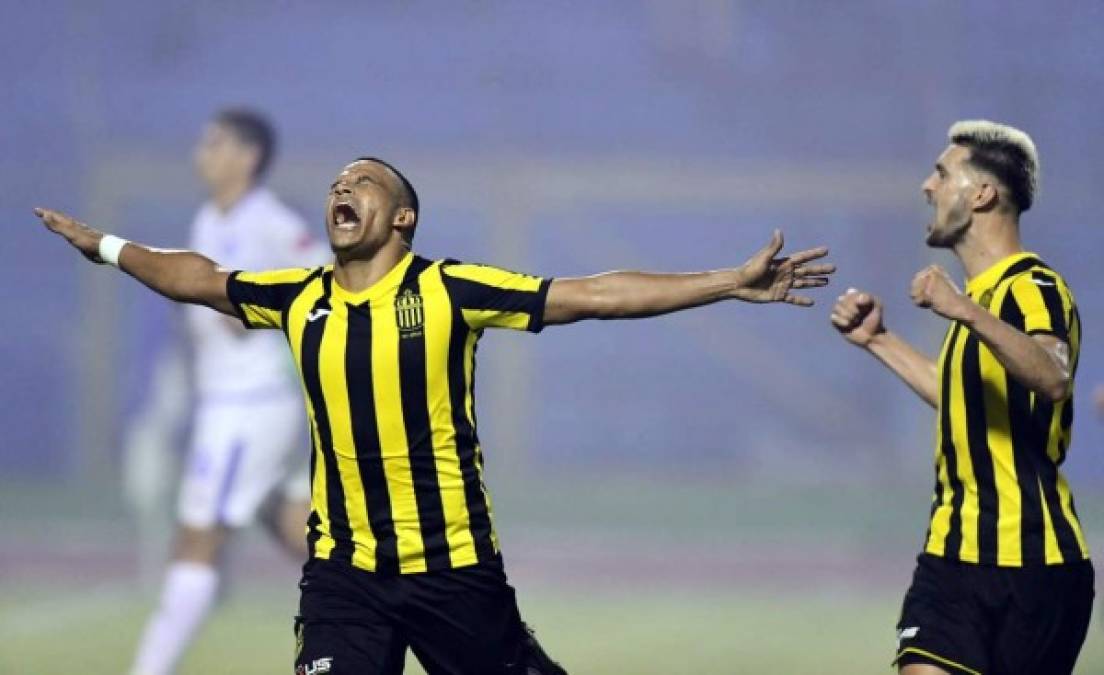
(466, 442)
(362, 411)
(474, 295)
(1020, 267)
(287, 306)
(1053, 301)
(335, 494)
(953, 545)
(313, 521)
(1032, 544)
(980, 455)
(419, 436)
(1063, 530)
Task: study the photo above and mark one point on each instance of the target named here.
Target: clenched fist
(858, 317)
(932, 288)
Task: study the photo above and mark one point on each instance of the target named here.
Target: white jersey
(258, 233)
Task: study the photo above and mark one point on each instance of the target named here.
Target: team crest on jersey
(409, 314)
(986, 298)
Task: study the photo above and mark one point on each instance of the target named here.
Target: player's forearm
(1027, 361)
(914, 368)
(183, 276)
(630, 295)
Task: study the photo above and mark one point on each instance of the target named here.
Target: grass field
(660, 631)
(759, 581)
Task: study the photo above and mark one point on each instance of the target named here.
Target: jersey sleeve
(491, 297)
(1045, 302)
(260, 298)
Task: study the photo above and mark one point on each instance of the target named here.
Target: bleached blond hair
(1003, 151)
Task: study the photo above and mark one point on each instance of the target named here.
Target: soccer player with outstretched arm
(403, 551)
(1004, 584)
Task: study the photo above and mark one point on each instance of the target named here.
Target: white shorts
(240, 453)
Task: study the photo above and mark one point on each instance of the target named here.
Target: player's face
(362, 210)
(221, 158)
(948, 189)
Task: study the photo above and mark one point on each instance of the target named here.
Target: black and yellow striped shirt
(1000, 498)
(387, 373)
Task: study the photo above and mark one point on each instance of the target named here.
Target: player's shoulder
(1037, 272)
(475, 270)
(287, 275)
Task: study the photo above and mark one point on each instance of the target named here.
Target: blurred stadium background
(731, 490)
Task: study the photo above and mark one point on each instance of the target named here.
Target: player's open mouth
(345, 216)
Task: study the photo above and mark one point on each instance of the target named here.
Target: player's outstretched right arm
(858, 317)
(183, 276)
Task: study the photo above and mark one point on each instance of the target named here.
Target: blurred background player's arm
(183, 276)
(858, 317)
(624, 295)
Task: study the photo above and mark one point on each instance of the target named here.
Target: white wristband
(110, 247)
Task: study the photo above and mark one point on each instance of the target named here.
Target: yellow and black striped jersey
(387, 373)
(1000, 498)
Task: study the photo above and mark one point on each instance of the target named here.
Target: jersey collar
(385, 285)
(990, 277)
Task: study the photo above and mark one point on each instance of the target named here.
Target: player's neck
(227, 195)
(357, 274)
(988, 241)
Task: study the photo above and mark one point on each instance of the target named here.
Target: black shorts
(968, 618)
(457, 622)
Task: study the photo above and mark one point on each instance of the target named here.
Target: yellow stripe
(1031, 303)
(970, 505)
(936, 658)
(297, 321)
(480, 318)
(438, 330)
(469, 399)
(1065, 498)
(261, 317)
(941, 520)
(998, 430)
(392, 435)
(270, 277)
(335, 391)
(493, 276)
(1053, 555)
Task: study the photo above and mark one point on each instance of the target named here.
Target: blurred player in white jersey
(247, 456)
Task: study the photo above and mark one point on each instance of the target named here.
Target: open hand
(769, 278)
(932, 288)
(83, 238)
(858, 316)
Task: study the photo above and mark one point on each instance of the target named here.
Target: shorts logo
(409, 314)
(906, 634)
(315, 667)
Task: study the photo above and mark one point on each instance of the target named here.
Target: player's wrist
(109, 248)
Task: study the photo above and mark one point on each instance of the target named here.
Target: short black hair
(408, 187)
(251, 128)
(1006, 153)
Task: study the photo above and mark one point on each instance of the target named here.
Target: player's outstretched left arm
(765, 277)
(182, 276)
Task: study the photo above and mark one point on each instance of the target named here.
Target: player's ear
(986, 197)
(405, 218)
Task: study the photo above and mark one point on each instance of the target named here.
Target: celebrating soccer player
(1004, 583)
(403, 551)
